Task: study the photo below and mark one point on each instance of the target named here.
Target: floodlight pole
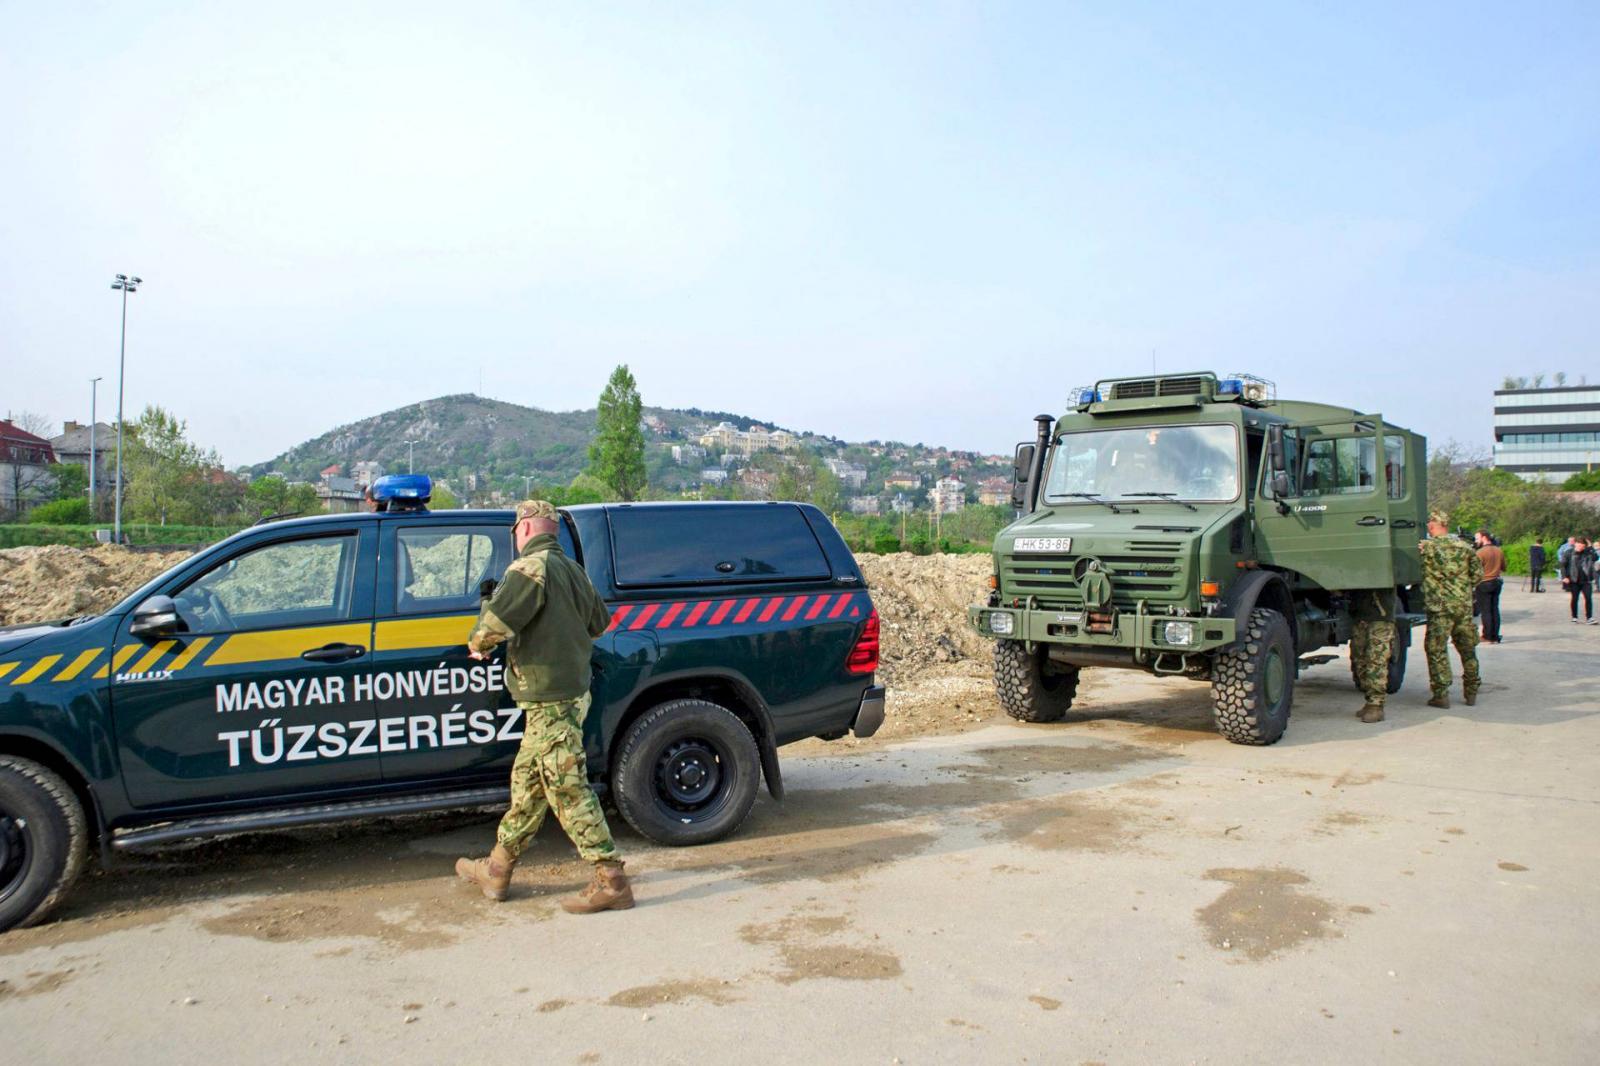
(126, 284)
(94, 396)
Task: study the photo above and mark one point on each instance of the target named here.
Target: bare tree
(1560, 378)
(33, 422)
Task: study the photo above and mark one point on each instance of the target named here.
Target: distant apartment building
(72, 446)
(1547, 434)
(864, 505)
(849, 474)
(25, 477)
(685, 454)
(758, 482)
(949, 495)
(902, 504)
(726, 437)
(994, 491)
(902, 480)
(712, 475)
(366, 473)
(339, 494)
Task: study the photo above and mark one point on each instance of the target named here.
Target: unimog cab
(1198, 526)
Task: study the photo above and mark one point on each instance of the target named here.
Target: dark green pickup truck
(314, 670)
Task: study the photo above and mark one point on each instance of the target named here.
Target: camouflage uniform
(550, 774)
(1451, 571)
(548, 614)
(1372, 641)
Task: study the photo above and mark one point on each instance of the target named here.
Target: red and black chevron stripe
(740, 610)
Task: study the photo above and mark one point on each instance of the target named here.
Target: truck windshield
(1199, 463)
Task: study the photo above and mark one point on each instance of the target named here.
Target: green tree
(73, 512)
(616, 457)
(273, 495)
(443, 500)
(1583, 481)
(72, 481)
(168, 477)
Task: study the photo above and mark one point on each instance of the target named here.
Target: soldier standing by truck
(1451, 572)
(547, 613)
(1371, 643)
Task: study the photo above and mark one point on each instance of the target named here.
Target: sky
(925, 222)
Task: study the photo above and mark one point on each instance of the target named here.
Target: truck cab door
(1406, 482)
(1332, 525)
(260, 691)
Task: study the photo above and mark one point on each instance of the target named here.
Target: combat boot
(1471, 699)
(609, 891)
(492, 875)
(1372, 712)
(1441, 702)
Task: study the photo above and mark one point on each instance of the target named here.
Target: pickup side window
(714, 545)
(289, 583)
(1340, 466)
(440, 569)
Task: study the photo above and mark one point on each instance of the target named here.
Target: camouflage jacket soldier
(548, 614)
(1451, 571)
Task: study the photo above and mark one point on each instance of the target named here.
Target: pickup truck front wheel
(687, 773)
(1031, 687)
(44, 841)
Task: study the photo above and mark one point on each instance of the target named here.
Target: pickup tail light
(863, 658)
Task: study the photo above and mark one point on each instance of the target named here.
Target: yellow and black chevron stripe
(274, 645)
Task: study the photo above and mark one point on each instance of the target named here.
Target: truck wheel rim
(691, 778)
(1275, 674)
(14, 854)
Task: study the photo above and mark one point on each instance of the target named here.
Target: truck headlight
(1180, 633)
(1000, 623)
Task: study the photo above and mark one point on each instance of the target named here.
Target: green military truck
(1196, 526)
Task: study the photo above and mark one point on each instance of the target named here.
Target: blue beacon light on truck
(402, 488)
(1230, 387)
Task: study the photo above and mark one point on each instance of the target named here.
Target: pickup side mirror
(155, 617)
(1021, 471)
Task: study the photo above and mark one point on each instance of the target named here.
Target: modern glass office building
(1547, 434)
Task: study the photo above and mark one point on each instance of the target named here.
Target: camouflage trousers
(550, 773)
(1370, 646)
(1445, 629)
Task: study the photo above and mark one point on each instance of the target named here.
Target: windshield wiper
(1173, 496)
(1093, 497)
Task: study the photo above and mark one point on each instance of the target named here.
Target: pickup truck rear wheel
(1030, 686)
(44, 841)
(1252, 682)
(687, 773)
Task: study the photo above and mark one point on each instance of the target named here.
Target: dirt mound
(922, 604)
(39, 584)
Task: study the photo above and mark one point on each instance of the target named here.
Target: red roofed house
(25, 478)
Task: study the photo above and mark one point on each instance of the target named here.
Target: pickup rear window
(714, 545)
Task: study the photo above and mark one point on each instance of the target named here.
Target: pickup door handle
(334, 653)
(1371, 520)
(1404, 523)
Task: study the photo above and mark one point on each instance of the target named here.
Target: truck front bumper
(1145, 635)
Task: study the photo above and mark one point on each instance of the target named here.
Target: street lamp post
(411, 456)
(527, 485)
(125, 284)
(94, 499)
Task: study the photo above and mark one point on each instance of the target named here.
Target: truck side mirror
(1277, 462)
(1280, 484)
(155, 617)
(1021, 471)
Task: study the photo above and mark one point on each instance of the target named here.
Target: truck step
(317, 814)
(1316, 660)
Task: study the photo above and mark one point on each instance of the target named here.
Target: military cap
(540, 509)
(1437, 517)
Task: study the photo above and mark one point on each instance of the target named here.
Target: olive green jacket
(548, 614)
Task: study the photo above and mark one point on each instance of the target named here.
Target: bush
(885, 544)
(60, 513)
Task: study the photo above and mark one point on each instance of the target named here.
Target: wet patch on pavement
(810, 948)
(35, 983)
(1264, 912)
(717, 993)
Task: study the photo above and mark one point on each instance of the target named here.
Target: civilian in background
(1577, 577)
(1493, 558)
(1536, 565)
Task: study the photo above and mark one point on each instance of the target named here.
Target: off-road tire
(1397, 665)
(705, 735)
(1238, 681)
(1028, 690)
(46, 843)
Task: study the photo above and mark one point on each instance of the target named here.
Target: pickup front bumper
(1147, 635)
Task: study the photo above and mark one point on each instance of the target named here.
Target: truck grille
(1133, 390)
(1189, 386)
(1150, 570)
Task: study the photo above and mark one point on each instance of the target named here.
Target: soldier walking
(548, 614)
(1450, 574)
(1371, 643)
